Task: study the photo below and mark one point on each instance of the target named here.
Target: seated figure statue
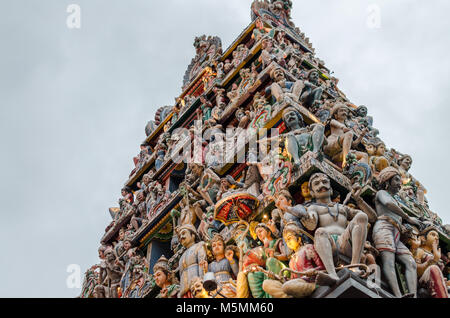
(334, 233)
(312, 90)
(267, 256)
(341, 140)
(300, 138)
(430, 264)
(304, 260)
(282, 88)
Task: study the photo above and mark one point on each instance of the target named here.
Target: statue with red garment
(305, 260)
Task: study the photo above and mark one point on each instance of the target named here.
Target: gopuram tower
(265, 181)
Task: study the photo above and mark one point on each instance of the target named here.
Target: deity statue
(206, 108)
(142, 283)
(270, 53)
(430, 265)
(405, 163)
(268, 256)
(89, 283)
(338, 228)
(110, 275)
(341, 140)
(306, 193)
(189, 264)
(300, 138)
(304, 260)
(127, 199)
(312, 90)
(140, 208)
(289, 213)
(378, 161)
(387, 229)
(225, 267)
(282, 88)
(253, 178)
(165, 279)
(260, 30)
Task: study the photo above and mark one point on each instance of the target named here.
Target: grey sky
(74, 104)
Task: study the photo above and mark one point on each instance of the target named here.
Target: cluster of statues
(335, 197)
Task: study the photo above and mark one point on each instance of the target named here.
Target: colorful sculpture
(328, 208)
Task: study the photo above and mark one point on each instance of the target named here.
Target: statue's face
(197, 287)
(292, 241)
(282, 201)
(305, 190)
(395, 183)
(186, 238)
(160, 278)
(259, 24)
(362, 112)
(381, 150)
(278, 75)
(261, 233)
(342, 114)
(126, 245)
(218, 248)
(121, 234)
(291, 119)
(414, 242)
(370, 150)
(432, 238)
(225, 184)
(101, 255)
(406, 163)
(321, 187)
(110, 256)
(314, 77)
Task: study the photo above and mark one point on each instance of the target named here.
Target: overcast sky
(74, 104)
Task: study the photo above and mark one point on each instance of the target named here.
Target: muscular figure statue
(281, 88)
(386, 232)
(334, 232)
(111, 273)
(299, 139)
(313, 90)
(195, 253)
(341, 139)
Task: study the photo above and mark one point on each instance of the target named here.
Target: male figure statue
(386, 232)
(281, 87)
(341, 140)
(299, 139)
(312, 91)
(195, 254)
(334, 231)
